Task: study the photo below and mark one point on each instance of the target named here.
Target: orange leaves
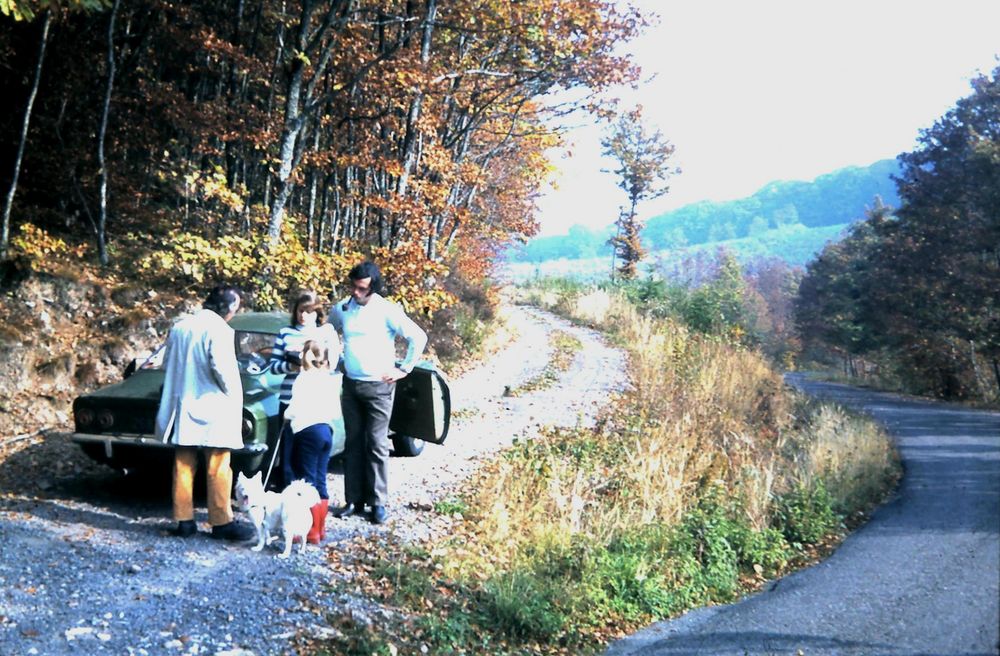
(389, 128)
(412, 278)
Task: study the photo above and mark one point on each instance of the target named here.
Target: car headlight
(249, 427)
(84, 417)
(105, 419)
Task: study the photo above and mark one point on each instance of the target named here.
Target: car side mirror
(130, 368)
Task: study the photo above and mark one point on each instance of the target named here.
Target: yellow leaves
(208, 190)
(199, 260)
(270, 276)
(16, 10)
(42, 249)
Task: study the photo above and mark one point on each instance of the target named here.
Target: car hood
(147, 385)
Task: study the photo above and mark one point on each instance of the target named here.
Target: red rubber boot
(318, 530)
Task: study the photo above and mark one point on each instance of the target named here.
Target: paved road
(923, 577)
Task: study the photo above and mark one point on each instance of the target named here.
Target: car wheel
(406, 446)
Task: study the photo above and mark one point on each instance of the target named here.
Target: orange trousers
(220, 484)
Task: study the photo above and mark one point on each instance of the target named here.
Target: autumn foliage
(274, 142)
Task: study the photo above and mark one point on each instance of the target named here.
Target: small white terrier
(286, 514)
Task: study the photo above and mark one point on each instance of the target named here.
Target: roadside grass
(703, 481)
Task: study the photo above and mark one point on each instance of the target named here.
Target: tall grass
(707, 476)
(709, 469)
(700, 412)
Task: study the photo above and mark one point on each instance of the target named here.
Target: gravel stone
(88, 564)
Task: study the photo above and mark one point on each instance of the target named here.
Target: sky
(752, 91)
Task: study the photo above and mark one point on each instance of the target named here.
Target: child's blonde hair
(315, 356)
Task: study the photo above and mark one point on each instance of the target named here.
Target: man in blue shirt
(370, 324)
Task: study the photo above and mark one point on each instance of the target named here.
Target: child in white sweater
(314, 406)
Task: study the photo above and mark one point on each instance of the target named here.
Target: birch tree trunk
(102, 217)
(413, 115)
(9, 201)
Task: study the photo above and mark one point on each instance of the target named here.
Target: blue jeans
(311, 456)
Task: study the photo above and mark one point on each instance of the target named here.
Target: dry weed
(701, 413)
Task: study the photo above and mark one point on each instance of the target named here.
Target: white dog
(286, 514)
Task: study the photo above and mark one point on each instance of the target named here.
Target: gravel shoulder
(922, 577)
(87, 565)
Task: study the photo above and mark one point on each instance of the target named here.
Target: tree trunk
(293, 124)
(614, 246)
(413, 116)
(102, 218)
(981, 382)
(8, 203)
(313, 186)
(996, 374)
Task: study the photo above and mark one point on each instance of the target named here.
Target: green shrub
(451, 506)
(632, 571)
(523, 606)
(714, 544)
(452, 634)
(806, 514)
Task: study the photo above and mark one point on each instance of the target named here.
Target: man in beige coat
(201, 407)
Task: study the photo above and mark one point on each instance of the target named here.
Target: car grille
(115, 417)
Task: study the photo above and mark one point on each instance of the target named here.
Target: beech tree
(303, 133)
(26, 11)
(941, 259)
(43, 42)
(834, 307)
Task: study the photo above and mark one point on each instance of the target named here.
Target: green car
(115, 424)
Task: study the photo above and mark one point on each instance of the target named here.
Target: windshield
(253, 352)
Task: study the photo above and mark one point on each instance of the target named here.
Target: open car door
(422, 408)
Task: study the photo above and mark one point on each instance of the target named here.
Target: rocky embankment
(61, 335)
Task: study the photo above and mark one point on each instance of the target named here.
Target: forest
(171, 144)
(274, 143)
(913, 293)
(831, 199)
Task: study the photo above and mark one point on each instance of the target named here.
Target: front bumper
(133, 440)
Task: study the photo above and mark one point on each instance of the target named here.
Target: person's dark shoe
(234, 532)
(347, 510)
(184, 529)
(379, 515)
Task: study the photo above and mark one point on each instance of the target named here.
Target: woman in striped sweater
(286, 358)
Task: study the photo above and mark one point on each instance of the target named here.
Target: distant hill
(791, 220)
(795, 244)
(833, 199)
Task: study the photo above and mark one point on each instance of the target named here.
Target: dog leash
(274, 454)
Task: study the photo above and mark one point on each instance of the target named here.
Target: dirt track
(87, 566)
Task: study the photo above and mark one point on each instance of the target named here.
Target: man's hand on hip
(393, 375)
